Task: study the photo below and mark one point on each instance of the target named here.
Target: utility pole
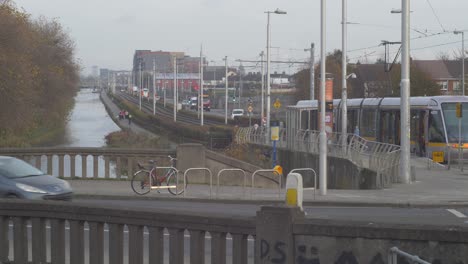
(405, 92)
(463, 59)
(323, 134)
(154, 86)
(312, 72)
(139, 88)
(344, 95)
(175, 89)
(200, 102)
(226, 86)
(241, 84)
(262, 111)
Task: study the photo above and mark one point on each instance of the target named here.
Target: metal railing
(394, 252)
(226, 170)
(270, 171)
(382, 158)
(199, 169)
(315, 178)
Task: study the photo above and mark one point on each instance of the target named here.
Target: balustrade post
(57, 241)
(95, 166)
(156, 245)
(39, 162)
(135, 244)
(197, 247)
(176, 246)
(76, 242)
(118, 168)
(116, 244)
(84, 166)
(38, 240)
(49, 164)
(4, 243)
(129, 167)
(72, 166)
(61, 172)
(96, 243)
(106, 166)
(20, 244)
(239, 249)
(218, 247)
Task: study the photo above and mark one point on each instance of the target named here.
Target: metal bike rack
(394, 252)
(223, 170)
(165, 187)
(272, 171)
(199, 169)
(315, 178)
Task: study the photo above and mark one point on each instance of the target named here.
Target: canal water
(87, 126)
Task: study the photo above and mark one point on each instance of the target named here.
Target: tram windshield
(451, 122)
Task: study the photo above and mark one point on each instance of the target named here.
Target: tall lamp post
(279, 12)
(344, 93)
(226, 90)
(456, 32)
(405, 92)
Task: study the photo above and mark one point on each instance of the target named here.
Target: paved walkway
(436, 186)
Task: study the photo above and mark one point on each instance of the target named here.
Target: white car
(237, 112)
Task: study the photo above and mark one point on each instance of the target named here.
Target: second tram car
(434, 125)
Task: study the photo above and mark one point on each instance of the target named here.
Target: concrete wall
(310, 241)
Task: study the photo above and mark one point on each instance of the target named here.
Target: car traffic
(19, 179)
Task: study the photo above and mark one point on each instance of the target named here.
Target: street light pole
(200, 102)
(344, 95)
(226, 90)
(154, 87)
(312, 72)
(280, 12)
(262, 111)
(463, 59)
(405, 92)
(322, 135)
(139, 88)
(175, 89)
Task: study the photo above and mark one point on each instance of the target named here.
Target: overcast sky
(107, 32)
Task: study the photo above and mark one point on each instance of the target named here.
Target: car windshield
(15, 168)
(237, 112)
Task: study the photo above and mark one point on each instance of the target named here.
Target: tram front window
(451, 122)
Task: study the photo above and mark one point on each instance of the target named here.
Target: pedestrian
(126, 114)
(129, 119)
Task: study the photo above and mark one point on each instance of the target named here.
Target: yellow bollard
(294, 190)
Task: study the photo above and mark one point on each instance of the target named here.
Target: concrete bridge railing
(105, 162)
(55, 232)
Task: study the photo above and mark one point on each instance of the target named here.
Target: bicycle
(144, 180)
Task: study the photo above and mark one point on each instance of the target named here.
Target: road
(391, 215)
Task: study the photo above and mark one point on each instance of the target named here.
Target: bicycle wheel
(141, 183)
(172, 181)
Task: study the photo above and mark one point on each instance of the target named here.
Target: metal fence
(382, 158)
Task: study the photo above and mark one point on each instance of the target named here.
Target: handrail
(199, 169)
(266, 170)
(315, 178)
(223, 170)
(394, 252)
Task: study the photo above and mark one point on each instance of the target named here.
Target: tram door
(390, 127)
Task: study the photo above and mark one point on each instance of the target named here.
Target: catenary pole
(344, 95)
(322, 135)
(405, 168)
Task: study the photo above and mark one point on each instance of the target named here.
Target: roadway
(440, 216)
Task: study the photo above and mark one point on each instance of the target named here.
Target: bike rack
(272, 171)
(199, 169)
(223, 170)
(315, 178)
(165, 187)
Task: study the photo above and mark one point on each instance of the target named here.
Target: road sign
(459, 110)
(277, 104)
(250, 109)
(438, 156)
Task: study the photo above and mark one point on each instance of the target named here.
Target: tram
(434, 125)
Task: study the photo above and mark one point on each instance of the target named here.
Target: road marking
(456, 213)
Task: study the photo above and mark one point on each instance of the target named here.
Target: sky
(107, 32)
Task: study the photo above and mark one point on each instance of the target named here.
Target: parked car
(193, 103)
(206, 104)
(236, 113)
(19, 179)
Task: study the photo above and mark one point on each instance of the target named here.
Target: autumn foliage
(38, 77)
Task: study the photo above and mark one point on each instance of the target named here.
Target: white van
(237, 112)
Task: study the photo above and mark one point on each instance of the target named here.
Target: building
(438, 71)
